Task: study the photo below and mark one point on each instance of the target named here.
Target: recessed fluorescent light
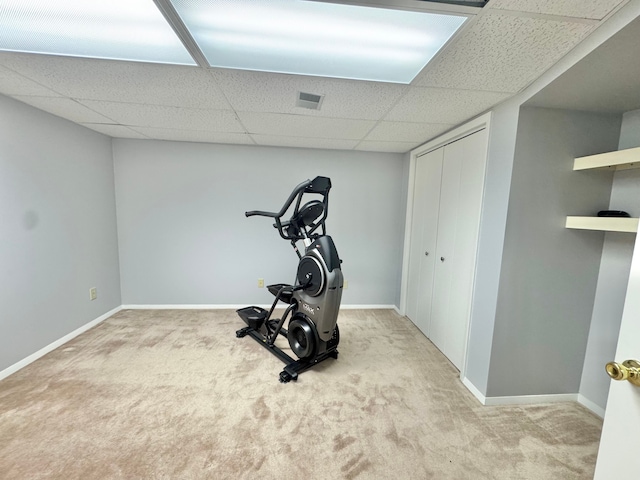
(114, 29)
(315, 38)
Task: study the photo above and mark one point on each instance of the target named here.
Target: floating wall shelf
(607, 224)
(618, 160)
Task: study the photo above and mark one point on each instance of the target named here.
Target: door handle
(442, 259)
(426, 254)
(628, 370)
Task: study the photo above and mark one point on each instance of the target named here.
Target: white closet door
(447, 225)
(473, 150)
(448, 194)
(431, 164)
(415, 252)
(426, 206)
(460, 211)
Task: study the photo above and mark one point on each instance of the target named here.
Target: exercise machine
(313, 300)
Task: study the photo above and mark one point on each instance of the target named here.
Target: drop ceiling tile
(116, 131)
(277, 93)
(305, 126)
(160, 116)
(12, 83)
(406, 131)
(389, 147)
(194, 135)
(303, 142)
(502, 53)
(441, 105)
(594, 9)
(65, 108)
(119, 81)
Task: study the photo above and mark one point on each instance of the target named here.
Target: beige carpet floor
(174, 395)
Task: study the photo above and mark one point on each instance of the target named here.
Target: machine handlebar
(259, 213)
(319, 185)
(286, 206)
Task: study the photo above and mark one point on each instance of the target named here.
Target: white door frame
(478, 123)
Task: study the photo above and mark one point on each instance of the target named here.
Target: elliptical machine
(314, 299)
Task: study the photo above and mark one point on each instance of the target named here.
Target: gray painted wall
(498, 185)
(549, 273)
(614, 274)
(58, 236)
(184, 239)
(502, 135)
(630, 130)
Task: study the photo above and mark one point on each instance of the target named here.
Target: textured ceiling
(501, 50)
(606, 80)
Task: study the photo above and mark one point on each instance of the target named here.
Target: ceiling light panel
(114, 29)
(315, 38)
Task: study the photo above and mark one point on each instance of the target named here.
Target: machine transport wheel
(286, 377)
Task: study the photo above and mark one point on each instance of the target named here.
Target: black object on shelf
(613, 213)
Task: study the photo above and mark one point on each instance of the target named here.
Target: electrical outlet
(261, 283)
(345, 284)
(93, 293)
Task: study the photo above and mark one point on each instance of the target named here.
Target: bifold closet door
(448, 193)
(457, 239)
(444, 281)
(422, 257)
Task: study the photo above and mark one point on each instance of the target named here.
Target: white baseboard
(52, 346)
(367, 307)
(595, 408)
(472, 388)
(532, 399)
(236, 307)
(188, 307)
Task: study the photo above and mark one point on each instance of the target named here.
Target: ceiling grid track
(500, 50)
(180, 29)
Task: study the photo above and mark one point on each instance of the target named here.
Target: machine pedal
(254, 317)
(282, 291)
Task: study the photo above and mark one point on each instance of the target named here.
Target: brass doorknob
(628, 370)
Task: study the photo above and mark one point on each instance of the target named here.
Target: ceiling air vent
(309, 100)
